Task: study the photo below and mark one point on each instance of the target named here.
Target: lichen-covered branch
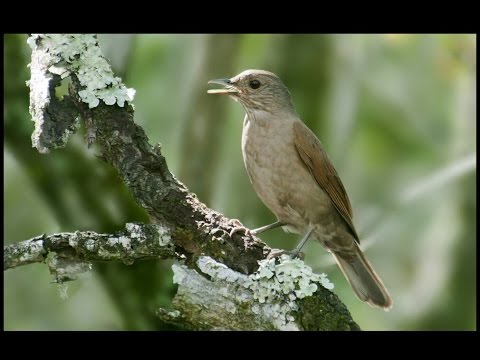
(219, 270)
(123, 144)
(70, 253)
(218, 298)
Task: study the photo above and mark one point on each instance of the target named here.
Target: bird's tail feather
(365, 282)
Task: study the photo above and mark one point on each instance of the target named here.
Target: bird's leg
(295, 252)
(241, 228)
(267, 227)
(303, 241)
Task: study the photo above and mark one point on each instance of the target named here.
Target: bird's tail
(364, 280)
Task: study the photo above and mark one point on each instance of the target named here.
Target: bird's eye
(254, 84)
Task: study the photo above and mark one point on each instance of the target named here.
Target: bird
(291, 173)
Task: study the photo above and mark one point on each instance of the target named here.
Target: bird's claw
(240, 228)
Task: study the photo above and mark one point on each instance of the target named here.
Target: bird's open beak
(229, 88)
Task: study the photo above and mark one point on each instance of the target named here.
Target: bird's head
(256, 90)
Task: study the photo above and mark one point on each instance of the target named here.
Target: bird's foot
(239, 228)
(279, 252)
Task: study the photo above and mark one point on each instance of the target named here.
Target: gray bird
(291, 173)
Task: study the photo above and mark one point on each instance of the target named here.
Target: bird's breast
(279, 176)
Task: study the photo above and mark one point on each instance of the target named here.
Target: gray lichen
(219, 271)
(287, 278)
(26, 252)
(58, 59)
(66, 269)
(63, 54)
(264, 300)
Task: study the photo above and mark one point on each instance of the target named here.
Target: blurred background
(396, 113)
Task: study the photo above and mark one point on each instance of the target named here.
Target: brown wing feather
(315, 158)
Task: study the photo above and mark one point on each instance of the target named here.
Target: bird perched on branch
(291, 173)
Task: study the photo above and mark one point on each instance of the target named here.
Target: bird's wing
(315, 158)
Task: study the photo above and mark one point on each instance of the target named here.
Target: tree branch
(136, 242)
(213, 259)
(221, 300)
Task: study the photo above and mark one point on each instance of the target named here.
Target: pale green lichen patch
(117, 248)
(220, 271)
(164, 237)
(40, 100)
(63, 291)
(280, 312)
(137, 233)
(31, 252)
(276, 285)
(63, 54)
(135, 230)
(179, 273)
(91, 245)
(65, 269)
(224, 292)
(24, 252)
(124, 241)
(73, 240)
(288, 279)
(174, 313)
